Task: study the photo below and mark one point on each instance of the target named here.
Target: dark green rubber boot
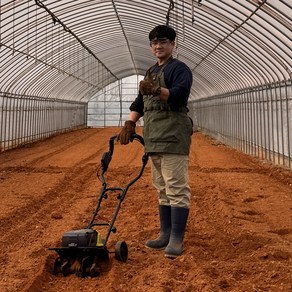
(179, 217)
(165, 226)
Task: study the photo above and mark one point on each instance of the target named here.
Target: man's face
(162, 48)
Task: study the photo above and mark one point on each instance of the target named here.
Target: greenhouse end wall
(25, 119)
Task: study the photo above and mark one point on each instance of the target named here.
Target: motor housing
(80, 238)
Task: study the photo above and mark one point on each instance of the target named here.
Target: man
(162, 101)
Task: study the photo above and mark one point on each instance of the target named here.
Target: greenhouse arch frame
(67, 65)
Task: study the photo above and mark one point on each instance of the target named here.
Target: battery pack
(80, 238)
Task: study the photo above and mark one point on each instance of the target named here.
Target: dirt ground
(238, 237)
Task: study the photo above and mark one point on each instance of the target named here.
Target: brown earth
(238, 238)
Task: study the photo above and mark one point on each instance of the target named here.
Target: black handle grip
(138, 138)
(105, 160)
(107, 156)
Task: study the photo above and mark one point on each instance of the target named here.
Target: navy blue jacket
(178, 79)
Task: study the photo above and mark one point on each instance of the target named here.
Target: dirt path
(238, 238)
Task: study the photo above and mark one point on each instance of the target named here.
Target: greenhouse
(60, 71)
(72, 76)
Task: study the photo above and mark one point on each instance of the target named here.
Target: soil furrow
(238, 236)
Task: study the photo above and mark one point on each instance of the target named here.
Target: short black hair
(162, 31)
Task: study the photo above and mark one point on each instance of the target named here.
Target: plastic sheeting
(72, 49)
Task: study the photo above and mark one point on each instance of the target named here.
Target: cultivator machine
(83, 251)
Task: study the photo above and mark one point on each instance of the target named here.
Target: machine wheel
(57, 266)
(85, 266)
(121, 251)
(65, 268)
(94, 270)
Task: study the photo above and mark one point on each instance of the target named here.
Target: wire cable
(170, 8)
(57, 20)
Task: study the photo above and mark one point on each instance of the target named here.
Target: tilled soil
(238, 237)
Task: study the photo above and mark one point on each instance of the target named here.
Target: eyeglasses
(159, 42)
